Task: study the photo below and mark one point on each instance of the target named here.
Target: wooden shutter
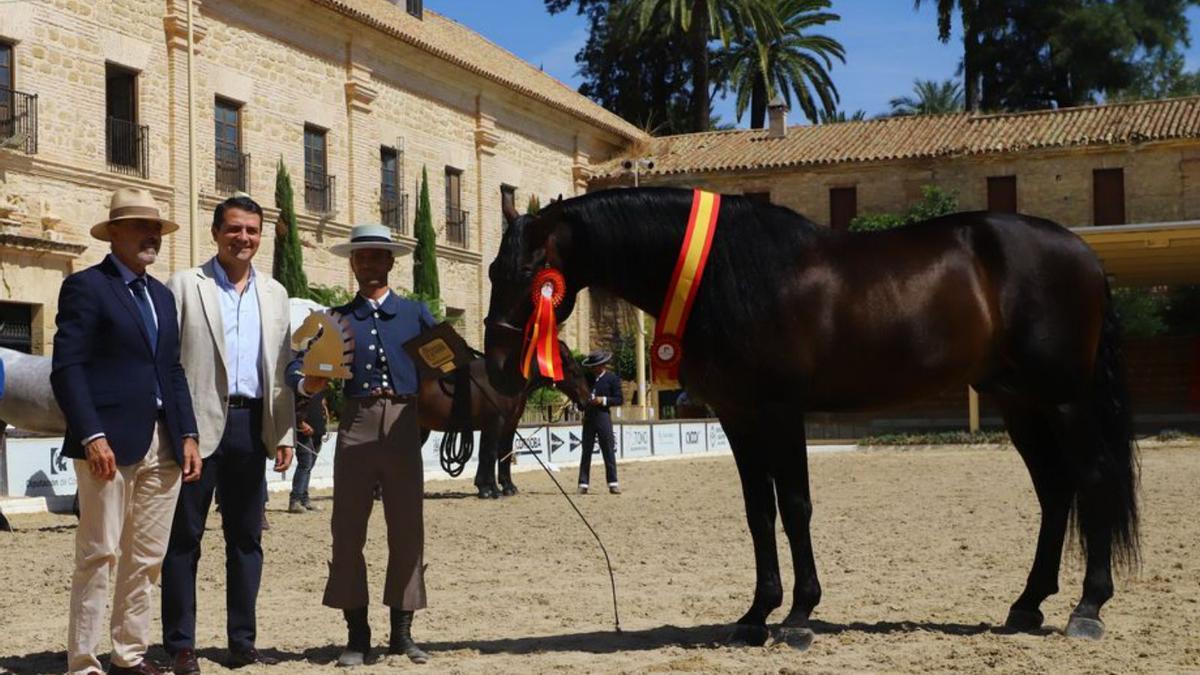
(843, 207)
(1002, 194)
(1108, 196)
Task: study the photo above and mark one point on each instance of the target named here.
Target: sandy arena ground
(920, 555)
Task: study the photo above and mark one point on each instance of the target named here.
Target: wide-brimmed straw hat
(368, 236)
(597, 358)
(131, 204)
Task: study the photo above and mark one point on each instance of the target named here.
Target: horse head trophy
(328, 345)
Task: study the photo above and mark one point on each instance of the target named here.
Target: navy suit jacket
(608, 386)
(104, 372)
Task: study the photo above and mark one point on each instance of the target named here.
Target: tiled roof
(900, 138)
(463, 47)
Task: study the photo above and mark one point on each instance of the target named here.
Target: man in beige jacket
(235, 339)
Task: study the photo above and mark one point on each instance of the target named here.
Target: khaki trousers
(124, 523)
(379, 442)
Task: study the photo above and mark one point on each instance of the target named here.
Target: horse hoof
(1085, 628)
(799, 638)
(745, 635)
(488, 493)
(509, 490)
(1023, 620)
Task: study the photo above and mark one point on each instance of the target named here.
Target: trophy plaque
(328, 346)
(438, 351)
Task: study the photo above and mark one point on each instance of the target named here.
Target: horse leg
(1034, 438)
(504, 458)
(789, 469)
(759, 495)
(485, 471)
(1098, 511)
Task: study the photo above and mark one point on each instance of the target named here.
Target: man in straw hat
(235, 337)
(130, 429)
(597, 421)
(379, 443)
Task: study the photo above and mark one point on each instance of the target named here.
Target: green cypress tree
(425, 273)
(288, 262)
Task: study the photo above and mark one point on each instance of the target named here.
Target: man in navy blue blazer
(130, 429)
(597, 420)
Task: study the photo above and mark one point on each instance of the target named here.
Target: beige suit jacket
(202, 346)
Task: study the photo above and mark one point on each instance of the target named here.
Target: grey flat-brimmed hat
(597, 358)
(368, 236)
(131, 204)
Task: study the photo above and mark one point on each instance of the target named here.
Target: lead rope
(607, 561)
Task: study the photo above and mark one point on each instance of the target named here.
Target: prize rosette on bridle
(541, 333)
(667, 350)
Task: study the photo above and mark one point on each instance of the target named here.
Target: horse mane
(753, 244)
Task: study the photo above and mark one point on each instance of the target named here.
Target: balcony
(319, 193)
(127, 147)
(18, 121)
(457, 226)
(233, 171)
(393, 211)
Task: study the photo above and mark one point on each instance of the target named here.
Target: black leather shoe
(143, 668)
(239, 659)
(185, 663)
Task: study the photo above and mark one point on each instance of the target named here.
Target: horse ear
(560, 197)
(510, 214)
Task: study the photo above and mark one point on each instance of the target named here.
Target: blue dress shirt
(243, 333)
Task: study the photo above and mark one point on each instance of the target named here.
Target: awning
(1149, 254)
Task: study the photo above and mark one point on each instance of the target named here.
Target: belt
(244, 402)
(390, 395)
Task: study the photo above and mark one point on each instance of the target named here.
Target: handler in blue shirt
(379, 443)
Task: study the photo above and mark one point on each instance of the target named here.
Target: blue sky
(888, 44)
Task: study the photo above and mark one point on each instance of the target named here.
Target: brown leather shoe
(143, 668)
(185, 663)
(248, 657)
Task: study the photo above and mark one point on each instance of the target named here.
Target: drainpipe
(193, 202)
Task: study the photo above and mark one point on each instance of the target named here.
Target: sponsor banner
(666, 439)
(635, 440)
(537, 441)
(693, 437)
(717, 441)
(36, 467)
(566, 443)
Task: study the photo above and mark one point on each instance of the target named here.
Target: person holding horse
(235, 338)
(379, 442)
(117, 376)
(597, 420)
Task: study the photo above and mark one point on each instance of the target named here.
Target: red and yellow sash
(681, 291)
(542, 354)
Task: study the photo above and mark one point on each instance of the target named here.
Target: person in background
(597, 420)
(310, 426)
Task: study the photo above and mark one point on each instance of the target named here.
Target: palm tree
(971, 65)
(840, 116)
(701, 21)
(929, 98)
(794, 62)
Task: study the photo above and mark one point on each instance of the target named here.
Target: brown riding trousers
(378, 442)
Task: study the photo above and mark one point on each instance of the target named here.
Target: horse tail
(1115, 460)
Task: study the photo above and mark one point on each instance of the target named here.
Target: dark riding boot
(358, 644)
(401, 641)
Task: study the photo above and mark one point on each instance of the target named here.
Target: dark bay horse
(493, 414)
(792, 317)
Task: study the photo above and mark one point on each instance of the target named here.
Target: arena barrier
(36, 468)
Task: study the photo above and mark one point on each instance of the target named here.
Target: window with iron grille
(16, 326)
(415, 8)
(126, 141)
(456, 217)
(508, 202)
(6, 90)
(393, 205)
(318, 193)
(231, 165)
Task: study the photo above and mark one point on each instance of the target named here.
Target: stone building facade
(355, 97)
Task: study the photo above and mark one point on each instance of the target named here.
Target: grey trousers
(378, 442)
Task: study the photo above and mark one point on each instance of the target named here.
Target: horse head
(530, 244)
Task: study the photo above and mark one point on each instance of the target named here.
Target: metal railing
(127, 147)
(319, 192)
(457, 226)
(233, 171)
(393, 211)
(18, 121)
